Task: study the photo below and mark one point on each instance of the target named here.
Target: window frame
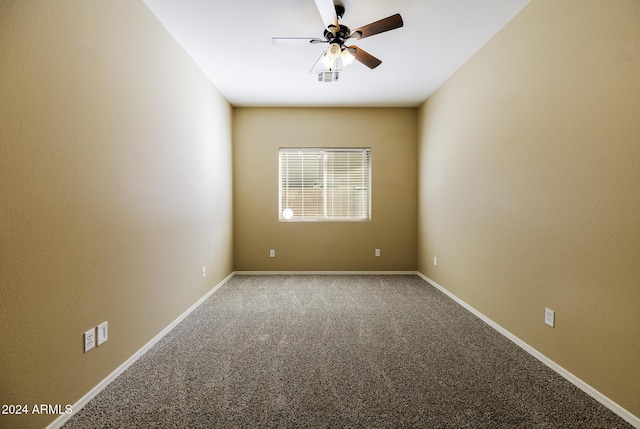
(366, 151)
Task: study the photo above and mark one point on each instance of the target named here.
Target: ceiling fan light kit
(338, 55)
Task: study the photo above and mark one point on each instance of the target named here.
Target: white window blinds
(324, 184)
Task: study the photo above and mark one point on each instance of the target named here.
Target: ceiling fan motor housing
(340, 35)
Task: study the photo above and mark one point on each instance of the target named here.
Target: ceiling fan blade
(364, 57)
(328, 13)
(296, 41)
(389, 23)
(318, 66)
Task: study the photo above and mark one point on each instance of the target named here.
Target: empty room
(318, 213)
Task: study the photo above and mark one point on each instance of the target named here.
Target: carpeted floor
(338, 352)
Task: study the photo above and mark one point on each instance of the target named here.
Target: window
(324, 184)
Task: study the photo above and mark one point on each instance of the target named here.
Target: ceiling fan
(338, 54)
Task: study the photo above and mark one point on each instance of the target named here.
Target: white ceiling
(231, 41)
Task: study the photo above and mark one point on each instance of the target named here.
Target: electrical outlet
(377, 252)
(103, 333)
(272, 253)
(89, 339)
(549, 317)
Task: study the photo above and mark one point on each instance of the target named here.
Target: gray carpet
(338, 352)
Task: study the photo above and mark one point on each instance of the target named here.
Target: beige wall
(115, 191)
(529, 186)
(258, 133)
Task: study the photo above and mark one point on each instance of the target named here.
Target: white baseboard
(316, 273)
(57, 423)
(620, 411)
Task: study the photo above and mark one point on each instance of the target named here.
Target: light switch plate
(103, 332)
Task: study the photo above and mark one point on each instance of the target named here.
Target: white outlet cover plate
(549, 317)
(89, 339)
